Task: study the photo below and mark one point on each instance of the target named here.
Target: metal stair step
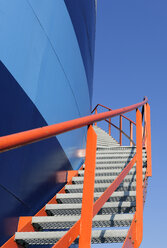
(107, 172)
(107, 142)
(115, 160)
(118, 151)
(104, 179)
(66, 222)
(44, 238)
(67, 198)
(121, 148)
(75, 209)
(116, 156)
(100, 187)
(114, 166)
(103, 147)
(106, 139)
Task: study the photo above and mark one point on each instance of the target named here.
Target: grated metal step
(107, 172)
(75, 209)
(104, 179)
(116, 160)
(66, 222)
(106, 142)
(119, 151)
(100, 187)
(116, 156)
(120, 148)
(77, 197)
(44, 238)
(114, 166)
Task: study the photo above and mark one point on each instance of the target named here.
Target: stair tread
(110, 171)
(96, 194)
(98, 185)
(42, 238)
(76, 217)
(79, 205)
(75, 179)
(65, 222)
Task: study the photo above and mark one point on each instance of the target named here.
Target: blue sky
(131, 62)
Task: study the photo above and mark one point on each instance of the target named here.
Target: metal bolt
(130, 237)
(133, 242)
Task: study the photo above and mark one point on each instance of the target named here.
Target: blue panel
(39, 71)
(29, 173)
(8, 214)
(82, 14)
(57, 25)
(18, 165)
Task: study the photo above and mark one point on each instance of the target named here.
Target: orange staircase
(107, 192)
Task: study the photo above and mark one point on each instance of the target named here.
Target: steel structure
(82, 227)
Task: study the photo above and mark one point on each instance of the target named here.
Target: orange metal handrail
(132, 142)
(27, 137)
(111, 110)
(120, 129)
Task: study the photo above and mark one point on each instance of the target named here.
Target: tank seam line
(15, 196)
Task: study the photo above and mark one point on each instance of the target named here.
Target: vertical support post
(148, 141)
(95, 114)
(109, 127)
(88, 190)
(139, 179)
(120, 126)
(144, 128)
(131, 133)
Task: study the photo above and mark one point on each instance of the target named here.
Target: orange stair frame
(83, 227)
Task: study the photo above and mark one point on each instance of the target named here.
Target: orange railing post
(139, 179)
(109, 127)
(96, 114)
(88, 190)
(120, 126)
(131, 133)
(148, 140)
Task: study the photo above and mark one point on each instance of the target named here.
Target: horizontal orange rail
(112, 110)
(121, 131)
(23, 138)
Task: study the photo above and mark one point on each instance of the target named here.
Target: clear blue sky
(131, 62)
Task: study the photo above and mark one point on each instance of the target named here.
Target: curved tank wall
(44, 80)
